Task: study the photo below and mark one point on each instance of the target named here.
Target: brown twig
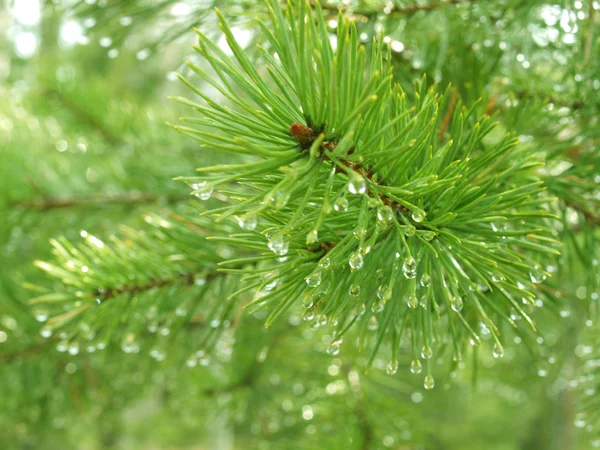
(307, 135)
(45, 204)
(448, 115)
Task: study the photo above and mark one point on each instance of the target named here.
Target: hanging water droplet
(73, 348)
(46, 332)
(384, 293)
(377, 306)
(312, 237)
(456, 303)
(428, 235)
(357, 184)
(409, 231)
(270, 280)
(192, 361)
(497, 278)
(498, 351)
(425, 280)
(324, 263)
(373, 323)
(278, 245)
(158, 354)
(334, 348)
(359, 233)
(129, 345)
(248, 222)
(308, 301)
(429, 382)
(361, 309)
(536, 277)
(415, 366)
(314, 279)
(356, 260)
(385, 214)
(202, 192)
(426, 352)
(41, 315)
(542, 372)
(308, 315)
(418, 215)
(413, 301)
(354, 290)
(474, 341)
(341, 204)
(392, 367)
(409, 267)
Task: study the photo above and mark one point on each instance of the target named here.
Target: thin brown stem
(45, 204)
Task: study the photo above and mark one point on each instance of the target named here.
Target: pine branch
(320, 135)
(403, 9)
(27, 352)
(84, 116)
(97, 200)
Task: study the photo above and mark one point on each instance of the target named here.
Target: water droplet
(428, 235)
(392, 367)
(497, 278)
(357, 184)
(413, 301)
(354, 290)
(202, 192)
(542, 372)
(46, 332)
(418, 215)
(409, 268)
(129, 345)
(373, 323)
(384, 293)
(409, 231)
(498, 351)
(377, 306)
(158, 354)
(324, 263)
(180, 311)
(192, 361)
(73, 348)
(308, 315)
(278, 245)
(314, 279)
(415, 366)
(359, 233)
(426, 352)
(361, 309)
(341, 204)
(334, 348)
(536, 277)
(385, 214)
(429, 382)
(356, 261)
(425, 280)
(41, 315)
(248, 222)
(312, 237)
(456, 303)
(308, 301)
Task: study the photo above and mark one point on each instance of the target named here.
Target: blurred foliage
(166, 360)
